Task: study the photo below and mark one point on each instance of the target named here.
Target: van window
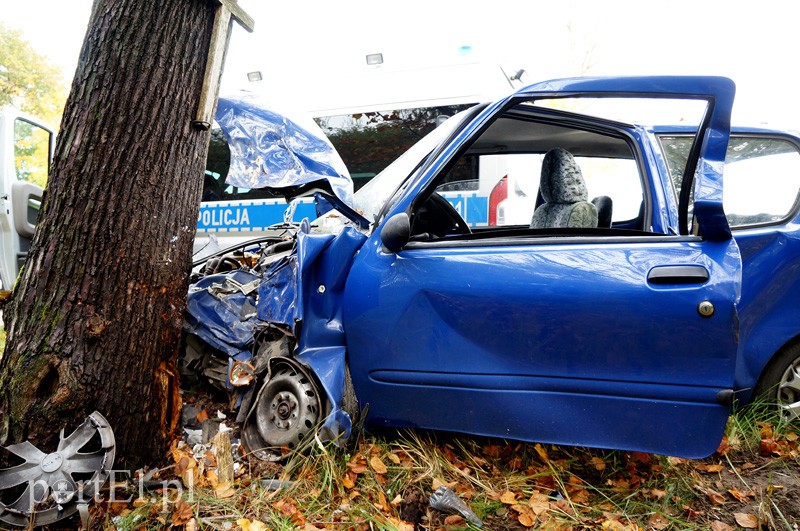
(31, 152)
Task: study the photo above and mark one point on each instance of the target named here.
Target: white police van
(26, 147)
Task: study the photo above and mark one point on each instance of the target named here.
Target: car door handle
(682, 274)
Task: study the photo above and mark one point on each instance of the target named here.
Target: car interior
(543, 172)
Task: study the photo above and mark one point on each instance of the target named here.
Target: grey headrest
(562, 180)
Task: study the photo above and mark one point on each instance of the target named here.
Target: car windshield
(369, 200)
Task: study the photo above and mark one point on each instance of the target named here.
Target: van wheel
(780, 382)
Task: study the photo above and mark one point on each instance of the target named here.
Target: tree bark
(95, 323)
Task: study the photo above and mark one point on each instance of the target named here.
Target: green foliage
(27, 81)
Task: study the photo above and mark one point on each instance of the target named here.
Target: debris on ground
(445, 500)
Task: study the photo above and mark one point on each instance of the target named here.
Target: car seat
(564, 192)
(604, 206)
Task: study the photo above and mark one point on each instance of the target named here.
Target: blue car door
(599, 338)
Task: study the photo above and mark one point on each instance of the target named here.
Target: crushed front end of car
(264, 319)
(271, 335)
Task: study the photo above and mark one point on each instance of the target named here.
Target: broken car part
(46, 488)
(447, 501)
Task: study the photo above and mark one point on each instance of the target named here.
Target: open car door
(613, 338)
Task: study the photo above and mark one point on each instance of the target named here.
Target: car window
(761, 179)
(506, 179)
(502, 190)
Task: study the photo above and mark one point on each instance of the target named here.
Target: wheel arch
(758, 372)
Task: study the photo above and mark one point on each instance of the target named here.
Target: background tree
(27, 80)
(95, 321)
(29, 83)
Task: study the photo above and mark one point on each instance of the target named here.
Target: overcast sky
(313, 52)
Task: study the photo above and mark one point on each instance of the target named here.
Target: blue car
(628, 285)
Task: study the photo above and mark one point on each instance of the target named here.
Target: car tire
(349, 399)
(780, 381)
(288, 409)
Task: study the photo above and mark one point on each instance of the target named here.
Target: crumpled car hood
(270, 150)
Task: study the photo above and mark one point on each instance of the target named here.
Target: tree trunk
(95, 323)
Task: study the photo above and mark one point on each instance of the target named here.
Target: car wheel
(780, 382)
(288, 408)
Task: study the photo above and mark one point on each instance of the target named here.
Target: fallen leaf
(508, 497)
(741, 495)
(614, 525)
(539, 503)
(357, 468)
(394, 458)
(715, 497)
(708, 469)
(251, 525)
(400, 525)
(723, 447)
(491, 450)
(772, 488)
(349, 480)
(202, 416)
(288, 509)
(791, 436)
(182, 513)
(542, 451)
(598, 463)
(377, 465)
(189, 476)
(396, 501)
(748, 466)
(716, 525)
(769, 447)
(658, 493)
(384, 505)
(454, 519)
(139, 502)
(191, 525)
(224, 490)
(691, 513)
(658, 522)
(526, 520)
(579, 496)
(620, 484)
(748, 521)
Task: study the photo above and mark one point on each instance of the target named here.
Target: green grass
(502, 482)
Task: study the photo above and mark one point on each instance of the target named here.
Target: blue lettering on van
(245, 216)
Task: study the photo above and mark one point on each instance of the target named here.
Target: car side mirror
(396, 232)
